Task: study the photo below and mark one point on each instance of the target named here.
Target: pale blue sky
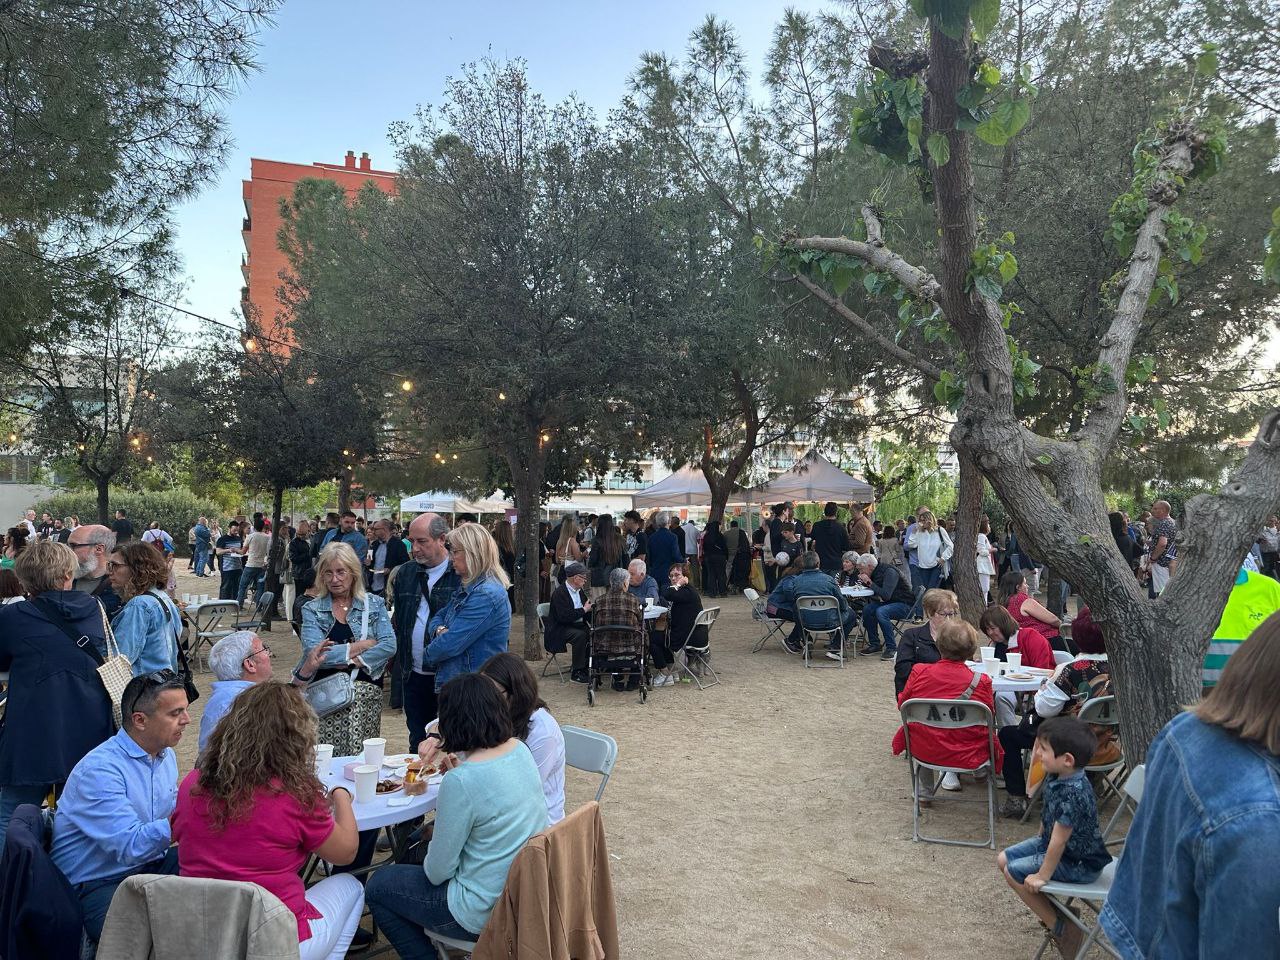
(331, 82)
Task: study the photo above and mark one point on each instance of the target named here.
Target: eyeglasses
(948, 614)
(114, 565)
(160, 678)
(77, 546)
(265, 649)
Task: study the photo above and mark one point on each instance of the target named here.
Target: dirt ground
(766, 816)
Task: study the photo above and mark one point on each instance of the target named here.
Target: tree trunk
(965, 558)
(1053, 592)
(272, 582)
(527, 490)
(103, 486)
(344, 492)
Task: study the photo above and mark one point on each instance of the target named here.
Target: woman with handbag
(58, 708)
(149, 625)
(933, 548)
(346, 692)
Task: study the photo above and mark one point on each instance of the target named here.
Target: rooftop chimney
(350, 160)
(365, 162)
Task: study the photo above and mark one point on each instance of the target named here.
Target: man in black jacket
(830, 540)
(568, 623)
(387, 553)
(893, 600)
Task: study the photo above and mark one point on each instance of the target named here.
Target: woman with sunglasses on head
(149, 625)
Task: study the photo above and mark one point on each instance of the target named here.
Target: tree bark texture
(103, 487)
(527, 472)
(964, 560)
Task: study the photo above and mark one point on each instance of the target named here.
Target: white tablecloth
(857, 592)
(1005, 684)
(377, 814)
(654, 612)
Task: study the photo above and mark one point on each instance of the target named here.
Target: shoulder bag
(184, 666)
(336, 691)
(115, 670)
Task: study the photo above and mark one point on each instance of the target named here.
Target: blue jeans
(11, 798)
(929, 578)
(877, 616)
(403, 902)
(202, 558)
(1025, 858)
(95, 895)
(250, 577)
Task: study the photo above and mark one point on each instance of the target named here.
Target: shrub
(176, 510)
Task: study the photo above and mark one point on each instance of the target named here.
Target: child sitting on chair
(1069, 847)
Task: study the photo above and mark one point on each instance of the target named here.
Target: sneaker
(1014, 808)
(361, 942)
(579, 676)
(793, 646)
(889, 655)
(868, 651)
(950, 782)
(834, 655)
(664, 680)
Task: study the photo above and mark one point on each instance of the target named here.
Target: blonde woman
(933, 548)
(476, 622)
(364, 641)
(567, 550)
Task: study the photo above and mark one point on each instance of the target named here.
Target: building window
(17, 468)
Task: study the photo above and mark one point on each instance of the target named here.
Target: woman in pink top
(1027, 612)
(253, 809)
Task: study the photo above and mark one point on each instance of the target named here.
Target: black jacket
(714, 545)
(58, 709)
(396, 555)
(914, 646)
(684, 605)
(831, 541)
(299, 556)
(39, 911)
(889, 586)
(565, 619)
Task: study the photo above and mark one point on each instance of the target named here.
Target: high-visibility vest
(1254, 598)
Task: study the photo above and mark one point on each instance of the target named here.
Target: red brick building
(269, 182)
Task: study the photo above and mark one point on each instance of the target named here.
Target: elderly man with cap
(92, 543)
(570, 616)
(239, 660)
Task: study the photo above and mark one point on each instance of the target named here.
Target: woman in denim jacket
(476, 622)
(338, 614)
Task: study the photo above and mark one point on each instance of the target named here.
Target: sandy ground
(766, 816)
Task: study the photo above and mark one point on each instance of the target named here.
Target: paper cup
(1014, 660)
(991, 666)
(204, 598)
(366, 782)
(987, 653)
(324, 758)
(375, 749)
(186, 598)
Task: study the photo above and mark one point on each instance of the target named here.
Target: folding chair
(214, 620)
(1094, 894)
(1129, 797)
(1061, 656)
(544, 611)
(951, 715)
(915, 613)
(702, 653)
(812, 635)
(1101, 711)
(261, 606)
(760, 614)
(590, 751)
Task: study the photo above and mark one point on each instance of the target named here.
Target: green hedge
(176, 510)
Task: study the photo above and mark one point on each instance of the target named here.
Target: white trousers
(984, 585)
(341, 899)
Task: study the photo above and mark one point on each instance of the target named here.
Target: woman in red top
(253, 809)
(1003, 631)
(948, 679)
(1027, 612)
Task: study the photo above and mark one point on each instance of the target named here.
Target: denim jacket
(317, 621)
(1197, 877)
(478, 617)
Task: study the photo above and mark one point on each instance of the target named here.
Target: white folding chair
(214, 620)
(1061, 656)
(1102, 712)
(760, 614)
(1093, 895)
(262, 603)
(544, 611)
(916, 611)
(701, 652)
(951, 715)
(812, 635)
(590, 751)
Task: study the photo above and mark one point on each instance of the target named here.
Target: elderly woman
(919, 645)
(948, 679)
(149, 625)
(847, 575)
(363, 642)
(58, 709)
(476, 622)
(253, 810)
(684, 604)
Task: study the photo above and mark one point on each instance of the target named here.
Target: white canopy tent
(439, 501)
(687, 487)
(814, 478)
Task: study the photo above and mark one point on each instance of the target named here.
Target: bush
(176, 510)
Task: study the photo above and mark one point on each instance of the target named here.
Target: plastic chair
(214, 620)
(701, 653)
(812, 635)
(590, 751)
(1062, 656)
(1130, 797)
(544, 611)
(760, 614)
(915, 613)
(951, 715)
(1102, 712)
(1094, 894)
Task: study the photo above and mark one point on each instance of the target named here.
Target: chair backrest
(544, 611)
(265, 599)
(1060, 657)
(705, 618)
(1100, 710)
(590, 751)
(816, 604)
(751, 594)
(947, 714)
(1135, 782)
(209, 616)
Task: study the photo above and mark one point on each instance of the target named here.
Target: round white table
(1004, 684)
(654, 612)
(378, 812)
(857, 592)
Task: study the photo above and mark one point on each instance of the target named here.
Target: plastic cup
(186, 598)
(366, 782)
(375, 749)
(987, 653)
(324, 758)
(1014, 660)
(204, 598)
(991, 666)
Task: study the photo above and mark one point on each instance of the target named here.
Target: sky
(334, 76)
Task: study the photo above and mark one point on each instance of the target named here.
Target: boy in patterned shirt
(1069, 847)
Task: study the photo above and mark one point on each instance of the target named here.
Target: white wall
(15, 498)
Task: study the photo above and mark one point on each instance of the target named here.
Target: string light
(250, 344)
(136, 443)
(13, 438)
(501, 395)
(406, 386)
(546, 438)
(346, 453)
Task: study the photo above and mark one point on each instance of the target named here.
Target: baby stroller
(617, 650)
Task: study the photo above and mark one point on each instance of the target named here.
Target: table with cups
(1024, 679)
(374, 811)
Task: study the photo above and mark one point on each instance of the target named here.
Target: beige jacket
(183, 918)
(558, 902)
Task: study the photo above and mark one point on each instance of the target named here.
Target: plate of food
(1018, 676)
(399, 759)
(390, 785)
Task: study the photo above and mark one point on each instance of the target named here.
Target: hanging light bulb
(501, 395)
(13, 438)
(406, 386)
(346, 453)
(250, 344)
(546, 438)
(455, 456)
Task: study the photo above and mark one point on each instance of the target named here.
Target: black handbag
(184, 666)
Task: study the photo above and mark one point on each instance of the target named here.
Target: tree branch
(876, 255)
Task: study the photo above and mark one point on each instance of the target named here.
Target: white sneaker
(662, 680)
(950, 781)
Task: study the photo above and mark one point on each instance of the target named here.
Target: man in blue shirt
(346, 532)
(113, 818)
(812, 582)
(204, 542)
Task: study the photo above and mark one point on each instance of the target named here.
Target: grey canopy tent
(814, 478)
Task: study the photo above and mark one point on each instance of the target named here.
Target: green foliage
(1004, 122)
(176, 509)
(991, 268)
(891, 123)
(1271, 248)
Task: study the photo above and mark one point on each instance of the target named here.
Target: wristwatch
(433, 735)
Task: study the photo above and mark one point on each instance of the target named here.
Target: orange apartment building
(269, 182)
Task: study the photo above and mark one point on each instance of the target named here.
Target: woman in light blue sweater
(490, 804)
